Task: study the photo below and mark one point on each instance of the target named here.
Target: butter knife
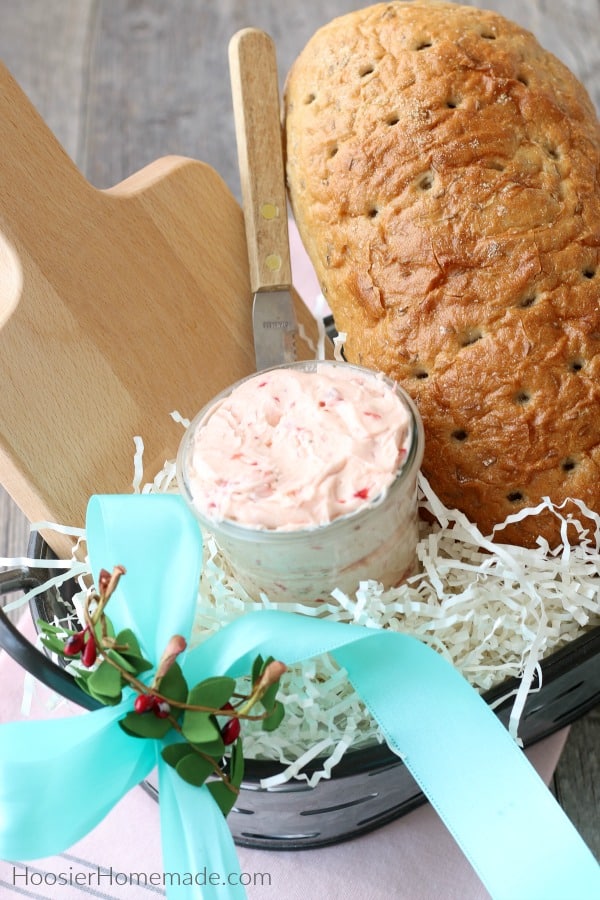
(255, 92)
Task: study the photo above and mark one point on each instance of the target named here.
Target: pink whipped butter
(305, 479)
(291, 449)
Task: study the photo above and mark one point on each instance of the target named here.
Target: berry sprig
(198, 744)
(83, 643)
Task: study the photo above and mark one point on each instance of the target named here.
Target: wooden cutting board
(116, 308)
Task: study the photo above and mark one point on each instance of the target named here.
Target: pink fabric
(414, 858)
(303, 273)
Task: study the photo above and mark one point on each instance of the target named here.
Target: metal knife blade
(274, 325)
(255, 91)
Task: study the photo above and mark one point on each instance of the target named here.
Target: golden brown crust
(444, 174)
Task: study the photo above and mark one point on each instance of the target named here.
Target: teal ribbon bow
(501, 814)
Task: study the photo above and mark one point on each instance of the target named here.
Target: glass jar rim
(232, 527)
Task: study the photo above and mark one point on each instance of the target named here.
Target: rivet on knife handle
(255, 90)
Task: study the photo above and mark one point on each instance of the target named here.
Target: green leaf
(133, 654)
(81, 680)
(257, 667)
(127, 637)
(174, 753)
(224, 796)
(141, 665)
(200, 727)
(104, 684)
(269, 697)
(194, 769)
(212, 692)
(54, 644)
(173, 685)
(122, 661)
(48, 628)
(236, 764)
(214, 748)
(275, 718)
(108, 629)
(145, 725)
(101, 698)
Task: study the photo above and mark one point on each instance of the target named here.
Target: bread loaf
(443, 170)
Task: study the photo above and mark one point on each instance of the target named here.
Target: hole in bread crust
(552, 152)
(421, 374)
(523, 79)
(495, 165)
(310, 98)
(522, 397)
(527, 301)
(515, 496)
(425, 182)
(470, 337)
(589, 272)
(460, 434)
(487, 35)
(423, 45)
(393, 120)
(568, 464)
(576, 365)
(373, 212)
(332, 152)
(368, 69)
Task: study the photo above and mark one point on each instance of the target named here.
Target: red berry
(144, 702)
(230, 731)
(74, 644)
(161, 709)
(88, 657)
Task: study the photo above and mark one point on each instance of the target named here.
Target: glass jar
(376, 541)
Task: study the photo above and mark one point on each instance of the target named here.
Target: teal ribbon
(501, 814)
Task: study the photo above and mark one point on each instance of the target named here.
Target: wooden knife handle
(255, 91)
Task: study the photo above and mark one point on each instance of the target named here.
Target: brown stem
(107, 582)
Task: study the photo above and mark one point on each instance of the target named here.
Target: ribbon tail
(492, 800)
(59, 778)
(199, 858)
(499, 811)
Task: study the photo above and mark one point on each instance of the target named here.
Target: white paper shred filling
(338, 345)
(493, 610)
(138, 467)
(74, 570)
(181, 420)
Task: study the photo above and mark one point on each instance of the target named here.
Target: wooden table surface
(123, 82)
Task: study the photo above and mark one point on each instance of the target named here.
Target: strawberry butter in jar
(306, 477)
